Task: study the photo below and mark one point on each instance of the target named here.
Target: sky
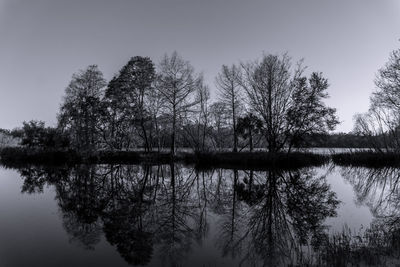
(43, 42)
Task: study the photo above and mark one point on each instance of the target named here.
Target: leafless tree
(177, 83)
(155, 109)
(381, 124)
(219, 122)
(229, 92)
(289, 104)
(196, 120)
(268, 85)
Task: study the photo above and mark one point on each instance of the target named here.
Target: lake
(175, 215)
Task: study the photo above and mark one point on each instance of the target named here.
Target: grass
(36, 156)
(367, 159)
(18, 155)
(254, 160)
(377, 246)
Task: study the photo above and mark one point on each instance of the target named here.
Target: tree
(127, 93)
(177, 83)
(307, 113)
(276, 92)
(80, 112)
(116, 122)
(220, 122)
(381, 124)
(7, 138)
(228, 85)
(155, 108)
(196, 121)
(203, 99)
(32, 133)
(35, 134)
(248, 126)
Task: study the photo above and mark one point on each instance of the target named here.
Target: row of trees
(267, 102)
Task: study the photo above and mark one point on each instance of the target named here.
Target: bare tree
(203, 98)
(196, 120)
(219, 122)
(381, 124)
(228, 85)
(155, 109)
(289, 104)
(177, 83)
(269, 88)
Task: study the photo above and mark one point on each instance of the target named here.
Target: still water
(128, 215)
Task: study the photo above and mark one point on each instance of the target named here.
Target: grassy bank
(240, 160)
(367, 159)
(20, 155)
(255, 160)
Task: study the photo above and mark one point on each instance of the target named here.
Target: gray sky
(43, 42)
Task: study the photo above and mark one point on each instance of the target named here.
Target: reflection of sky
(348, 213)
(32, 233)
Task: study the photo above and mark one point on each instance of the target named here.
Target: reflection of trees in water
(284, 211)
(262, 217)
(80, 200)
(174, 208)
(126, 215)
(379, 189)
(232, 221)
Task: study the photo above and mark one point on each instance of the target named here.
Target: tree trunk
(251, 142)
(173, 133)
(146, 142)
(235, 138)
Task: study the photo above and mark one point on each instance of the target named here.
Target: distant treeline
(336, 140)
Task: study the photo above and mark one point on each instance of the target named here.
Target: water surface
(174, 215)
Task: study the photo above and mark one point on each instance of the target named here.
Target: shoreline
(202, 160)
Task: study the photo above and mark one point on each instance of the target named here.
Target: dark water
(127, 215)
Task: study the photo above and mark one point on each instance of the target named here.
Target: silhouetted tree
(219, 121)
(307, 113)
(276, 92)
(177, 83)
(35, 134)
(381, 124)
(229, 93)
(80, 112)
(127, 94)
(155, 109)
(248, 126)
(196, 121)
